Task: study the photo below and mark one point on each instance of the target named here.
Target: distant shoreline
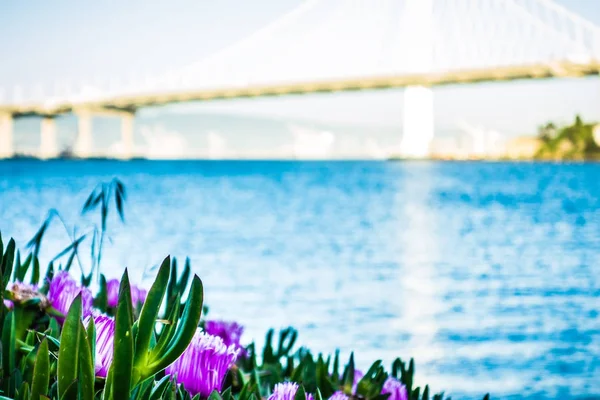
(392, 160)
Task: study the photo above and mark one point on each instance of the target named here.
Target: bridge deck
(131, 102)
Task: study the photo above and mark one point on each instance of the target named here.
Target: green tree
(572, 142)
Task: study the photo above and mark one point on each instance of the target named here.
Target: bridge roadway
(130, 103)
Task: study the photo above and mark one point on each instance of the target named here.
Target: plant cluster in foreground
(61, 341)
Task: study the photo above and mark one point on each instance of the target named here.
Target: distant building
(217, 146)
(470, 144)
(523, 147)
(447, 148)
(312, 144)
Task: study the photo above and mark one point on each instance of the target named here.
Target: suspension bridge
(345, 45)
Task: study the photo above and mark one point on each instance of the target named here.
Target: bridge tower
(127, 135)
(84, 141)
(48, 138)
(418, 118)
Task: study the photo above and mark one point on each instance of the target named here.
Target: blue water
(486, 273)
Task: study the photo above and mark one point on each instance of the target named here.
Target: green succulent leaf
(247, 391)
(7, 261)
(268, 354)
(348, 382)
(41, 372)
(68, 353)
(53, 328)
(108, 385)
(226, 395)
(24, 317)
(215, 396)
(160, 388)
(300, 393)
(148, 316)
(91, 338)
(101, 299)
(322, 378)
(53, 343)
(14, 383)
(335, 375)
(21, 269)
(23, 393)
(142, 391)
(287, 338)
(169, 329)
(122, 364)
(185, 276)
(172, 285)
(185, 330)
(70, 260)
(35, 273)
(9, 343)
(372, 382)
(86, 376)
(71, 392)
(48, 278)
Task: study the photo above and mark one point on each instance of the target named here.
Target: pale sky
(73, 41)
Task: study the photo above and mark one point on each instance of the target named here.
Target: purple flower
(230, 332)
(9, 304)
(112, 292)
(286, 391)
(392, 386)
(339, 396)
(396, 389)
(138, 296)
(204, 364)
(62, 292)
(105, 334)
(358, 375)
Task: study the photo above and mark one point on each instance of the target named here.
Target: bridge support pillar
(7, 149)
(83, 144)
(418, 122)
(48, 138)
(127, 135)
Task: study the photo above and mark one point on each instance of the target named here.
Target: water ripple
(486, 273)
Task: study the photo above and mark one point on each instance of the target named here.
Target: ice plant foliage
(203, 365)
(112, 294)
(392, 386)
(63, 290)
(105, 336)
